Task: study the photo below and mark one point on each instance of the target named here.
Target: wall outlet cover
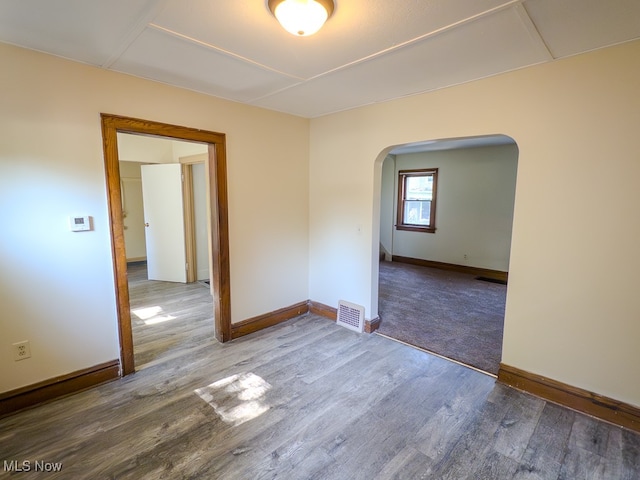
(21, 350)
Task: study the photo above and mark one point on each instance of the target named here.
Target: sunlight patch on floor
(237, 398)
(159, 319)
(146, 313)
(151, 315)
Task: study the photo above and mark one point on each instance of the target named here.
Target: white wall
(133, 211)
(387, 205)
(57, 287)
(186, 149)
(143, 149)
(200, 217)
(139, 149)
(572, 304)
(474, 207)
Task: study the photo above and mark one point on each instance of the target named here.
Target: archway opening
(445, 244)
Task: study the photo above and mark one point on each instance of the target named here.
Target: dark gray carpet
(448, 313)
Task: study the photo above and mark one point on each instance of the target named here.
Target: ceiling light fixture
(301, 17)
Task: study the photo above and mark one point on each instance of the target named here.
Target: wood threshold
(599, 406)
(57, 387)
(482, 272)
(266, 320)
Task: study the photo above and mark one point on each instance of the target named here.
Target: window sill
(416, 228)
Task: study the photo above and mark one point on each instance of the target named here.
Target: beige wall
(572, 305)
(56, 287)
(475, 197)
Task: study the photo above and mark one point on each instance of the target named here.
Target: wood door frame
(189, 222)
(219, 220)
(188, 202)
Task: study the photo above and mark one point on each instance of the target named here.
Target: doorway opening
(218, 220)
(164, 203)
(433, 291)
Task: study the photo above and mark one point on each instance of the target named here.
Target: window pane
(417, 200)
(419, 188)
(417, 212)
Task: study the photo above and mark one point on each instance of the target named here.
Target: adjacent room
(166, 229)
(444, 272)
(308, 133)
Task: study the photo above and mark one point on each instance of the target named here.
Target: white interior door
(164, 222)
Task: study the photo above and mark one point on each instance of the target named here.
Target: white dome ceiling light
(301, 17)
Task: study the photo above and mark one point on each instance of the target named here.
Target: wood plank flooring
(167, 318)
(305, 399)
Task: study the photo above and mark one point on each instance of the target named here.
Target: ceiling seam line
(223, 51)
(134, 33)
(433, 33)
(422, 92)
(504, 6)
(533, 31)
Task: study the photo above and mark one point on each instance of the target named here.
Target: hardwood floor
(167, 317)
(305, 399)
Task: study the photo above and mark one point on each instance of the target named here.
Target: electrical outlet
(21, 350)
(466, 257)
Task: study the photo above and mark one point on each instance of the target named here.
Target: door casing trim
(219, 221)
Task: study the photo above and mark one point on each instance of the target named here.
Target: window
(417, 200)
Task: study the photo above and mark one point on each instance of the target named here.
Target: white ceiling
(369, 51)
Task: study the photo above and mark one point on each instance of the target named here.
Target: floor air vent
(351, 316)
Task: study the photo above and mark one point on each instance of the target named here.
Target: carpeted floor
(448, 313)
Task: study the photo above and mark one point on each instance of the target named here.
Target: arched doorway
(443, 288)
